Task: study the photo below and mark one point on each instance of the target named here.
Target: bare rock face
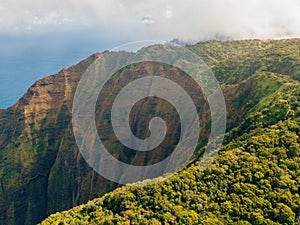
(41, 168)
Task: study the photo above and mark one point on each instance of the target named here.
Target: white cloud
(168, 13)
(157, 19)
(147, 20)
(51, 18)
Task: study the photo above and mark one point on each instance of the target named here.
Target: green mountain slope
(255, 178)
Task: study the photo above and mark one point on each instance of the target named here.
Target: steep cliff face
(255, 177)
(41, 168)
(43, 172)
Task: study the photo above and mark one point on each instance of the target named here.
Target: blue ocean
(23, 60)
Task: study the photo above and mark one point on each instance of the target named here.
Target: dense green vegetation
(233, 61)
(256, 177)
(255, 180)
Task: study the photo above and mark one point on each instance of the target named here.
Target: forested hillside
(254, 180)
(256, 177)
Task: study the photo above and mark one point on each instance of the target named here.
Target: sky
(190, 20)
(38, 38)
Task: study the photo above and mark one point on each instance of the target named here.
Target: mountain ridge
(42, 171)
